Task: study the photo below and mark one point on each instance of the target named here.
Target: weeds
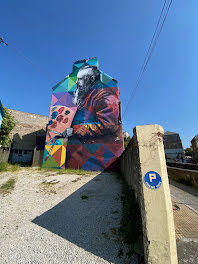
(77, 179)
(47, 187)
(4, 166)
(67, 171)
(105, 235)
(8, 186)
(131, 224)
(84, 197)
(120, 253)
(115, 212)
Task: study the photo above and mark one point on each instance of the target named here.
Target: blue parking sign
(152, 180)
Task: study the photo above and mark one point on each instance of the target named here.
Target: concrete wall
(143, 165)
(37, 158)
(186, 166)
(182, 175)
(4, 155)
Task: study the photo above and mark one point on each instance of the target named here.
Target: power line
(43, 72)
(149, 51)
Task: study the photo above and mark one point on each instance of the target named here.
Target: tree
(188, 152)
(7, 125)
(126, 142)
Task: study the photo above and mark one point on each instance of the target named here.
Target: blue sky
(53, 34)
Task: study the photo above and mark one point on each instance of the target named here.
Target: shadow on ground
(88, 222)
(191, 190)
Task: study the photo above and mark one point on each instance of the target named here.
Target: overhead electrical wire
(150, 49)
(143, 68)
(43, 72)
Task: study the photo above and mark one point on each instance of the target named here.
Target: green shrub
(7, 125)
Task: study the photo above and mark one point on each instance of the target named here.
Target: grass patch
(120, 253)
(68, 171)
(115, 212)
(105, 235)
(131, 224)
(84, 197)
(77, 179)
(8, 186)
(4, 166)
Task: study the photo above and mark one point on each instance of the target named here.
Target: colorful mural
(2, 113)
(84, 129)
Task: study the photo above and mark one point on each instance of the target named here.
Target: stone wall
(189, 177)
(143, 166)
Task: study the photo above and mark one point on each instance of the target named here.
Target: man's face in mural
(86, 79)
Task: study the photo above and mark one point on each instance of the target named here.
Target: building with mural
(85, 128)
(2, 114)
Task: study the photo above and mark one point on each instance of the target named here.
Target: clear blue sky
(53, 34)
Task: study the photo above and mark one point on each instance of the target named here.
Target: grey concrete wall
(37, 158)
(182, 175)
(143, 155)
(4, 155)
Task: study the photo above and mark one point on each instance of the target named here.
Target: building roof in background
(195, 138)
(170, 133)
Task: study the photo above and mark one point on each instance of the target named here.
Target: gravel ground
(51, 223)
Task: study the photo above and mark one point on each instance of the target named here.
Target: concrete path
(73, 221)
(185, 194)
(186, 222)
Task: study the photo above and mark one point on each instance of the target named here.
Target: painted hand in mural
(61, 118)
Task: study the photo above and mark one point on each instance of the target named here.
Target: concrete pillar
(156, 209)
(144, 167)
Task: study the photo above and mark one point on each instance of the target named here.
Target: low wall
(144, 167)
(189, 177)
(4, 155)
(186, 166)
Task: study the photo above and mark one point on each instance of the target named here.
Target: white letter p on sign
(152, 177)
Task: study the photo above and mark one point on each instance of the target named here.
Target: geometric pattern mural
(2, 113)
(84, 129)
